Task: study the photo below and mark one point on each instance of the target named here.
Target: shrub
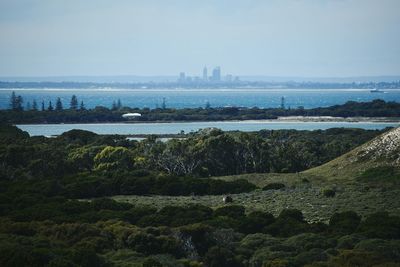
(109, 204)
(149, 262)
(220, 257)
(114, 158)
(329, 192)
(308, 241)
(200, 235)
(348, 241)
(310, 256)
(381, 225)
(344, 223)
(233, 211)
(380, 174)
(274, 186)
(389, 249)
(289, 222)
(255, 222)
(292, 214)
(257, 241)
(149, 244)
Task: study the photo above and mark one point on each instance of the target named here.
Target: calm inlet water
(177, 127)
(193, 98)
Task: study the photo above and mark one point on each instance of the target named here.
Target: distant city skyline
(290, 38)
(216, 76)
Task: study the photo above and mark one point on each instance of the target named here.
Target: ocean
(193, 98)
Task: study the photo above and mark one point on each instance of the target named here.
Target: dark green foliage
(200, 235)
(78, 136)
(274, 186)
(8, 132)
(73, 103)
(291, 214)
(375, 108)
(289, 222)
(220, 257)
(312, 255)
(151, 263)
(255, 222)
(149, 244)
(233, 211)
(381, 174)
(177, 216)
(329, 192)
(42, 222)
(381, 225)
(201, 154)
(345, 222)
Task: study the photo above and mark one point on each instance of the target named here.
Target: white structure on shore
(131, 115)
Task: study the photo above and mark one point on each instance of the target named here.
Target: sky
(304, 38)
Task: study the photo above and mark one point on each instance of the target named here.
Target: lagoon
(187, 127)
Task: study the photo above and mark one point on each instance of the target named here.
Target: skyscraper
(205, 77)
(216, 74)
(182, 77)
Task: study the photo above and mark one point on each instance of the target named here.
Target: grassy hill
(363, 181)
(378, 158)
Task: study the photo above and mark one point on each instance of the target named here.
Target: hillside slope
(382, 151)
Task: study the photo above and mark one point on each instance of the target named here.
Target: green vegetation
(81, 199)
(274, 186)
(380, 174)
(74, 114)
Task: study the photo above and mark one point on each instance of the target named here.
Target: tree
(50, 107)
(114, 106)
(34, 105)
(163, 105)
(28, 106)
(74, 102)
(220, 257)
(114, 158)
(59, 106)
(82, 158)
(180, 157)
(13, 101)
(119, 104)
(43, 106)
(19, 103)
(16, 102)
(82, 106)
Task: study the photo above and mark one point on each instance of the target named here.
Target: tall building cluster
(215, 77)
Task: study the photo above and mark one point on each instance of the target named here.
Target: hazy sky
(311, 38)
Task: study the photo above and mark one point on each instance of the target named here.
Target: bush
(149, 244)
(149, 262)
(313, 255)
(291, 214)
(380, 174)
(289, 222)
(220, 257)
(233, 211)
(274, 186)
(255, 222)
(344, 223)
(200, 235)
(381, 225)
(348, 241)
(308, 241)
(329, 192)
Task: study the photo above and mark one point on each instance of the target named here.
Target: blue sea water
(191, 98)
